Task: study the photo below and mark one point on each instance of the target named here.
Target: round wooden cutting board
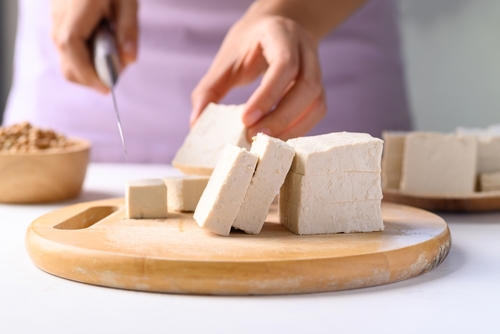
(94, 243)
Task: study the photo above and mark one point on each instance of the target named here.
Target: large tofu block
(275, 158)
(346, 217)
(146, 199)
(336, 152)
(392, 158)
(217, 126)
(184, 192)
(439, 164)
(222, 198)
(308, 190)
(490, 181)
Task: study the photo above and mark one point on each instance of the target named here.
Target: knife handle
(106, 58)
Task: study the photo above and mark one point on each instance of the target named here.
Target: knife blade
(107, 65)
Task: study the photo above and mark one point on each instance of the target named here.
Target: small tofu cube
(439, 164)
(184, 192)
(222, 198)
(146, 199)
(217, 126)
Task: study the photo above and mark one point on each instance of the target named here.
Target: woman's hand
(290, 99)
(74, 22)
(279, 39)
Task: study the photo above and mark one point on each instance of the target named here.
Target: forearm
(319, 17)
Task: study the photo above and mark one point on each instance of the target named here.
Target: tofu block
(184, 192)
(439, 164)
(222, 198)
(346, 217)
(336, 152)
(217, 126)
(275, 158)
(488, 156)
(335, 186)
(146, 199)
(392, 158)
(488, 149)
(305, 190)
(490, 181)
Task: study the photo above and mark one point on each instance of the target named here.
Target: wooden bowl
(49, 175)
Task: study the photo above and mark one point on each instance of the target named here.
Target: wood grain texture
(44, 176)
(175, 255)
(475, 202)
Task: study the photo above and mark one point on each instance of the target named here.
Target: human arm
(279, 40)
(73, 24)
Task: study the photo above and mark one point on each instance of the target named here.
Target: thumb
(127, 29)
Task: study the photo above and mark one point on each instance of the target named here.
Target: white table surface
(462, 295)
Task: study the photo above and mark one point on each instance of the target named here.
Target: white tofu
(184, 192)
(488, 156)
(322, 218)
(217, 126)
(490, 181)
(146, 199)
(439, 164)
(334, 185)
(275, 158)
(222, 198)
(305, 190)
(336, 152)
(253, 211)
(392, 158)
(488, 150)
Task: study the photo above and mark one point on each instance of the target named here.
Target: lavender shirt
(361, 64)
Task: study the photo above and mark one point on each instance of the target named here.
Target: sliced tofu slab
(392, 158)
(439, 164)
(222, 198)
(217, 126)
(275, 158)
(146, 199)
(488, 155)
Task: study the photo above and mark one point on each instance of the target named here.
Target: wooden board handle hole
(86, 218)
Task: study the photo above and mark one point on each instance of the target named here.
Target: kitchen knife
(107, 65)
